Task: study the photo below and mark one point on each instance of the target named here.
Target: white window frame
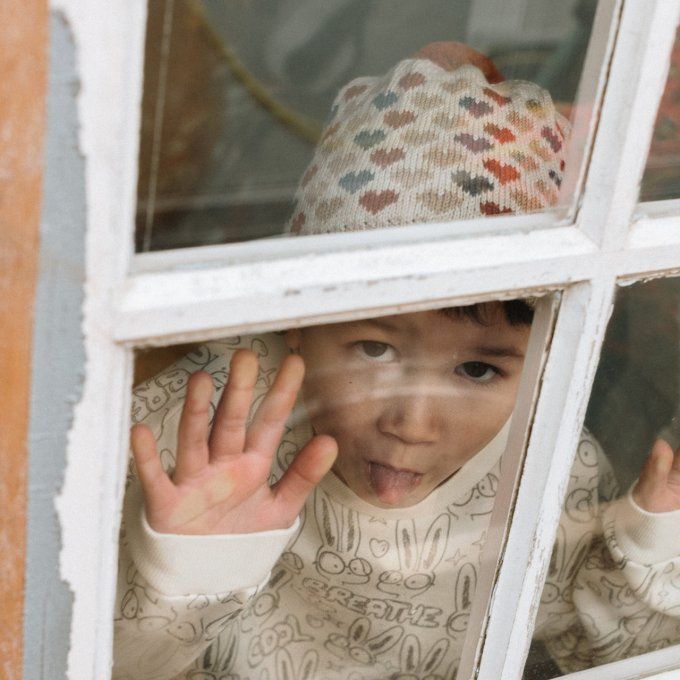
(586, 252)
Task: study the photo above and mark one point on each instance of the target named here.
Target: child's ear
(293, 338)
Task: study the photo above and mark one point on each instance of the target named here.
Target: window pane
(661, 180)
(612, 590)
(377, 580)
(236, 96)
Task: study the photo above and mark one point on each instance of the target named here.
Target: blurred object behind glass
(235, 93)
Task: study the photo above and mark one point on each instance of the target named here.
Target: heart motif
(309, 175)
(447, 121)
(366, 139)
(491, 208)
(551, 138)
(522, 122)
(476, 107)
(456, 86)
(498, 98)
(353, 181)
(415, 137)
(527, 162)
(526, 203)
(500, 134)
(475, 144)
(383, 158)
(473, 185)
(353, 91)
(535, 107)
(346, 161)
(378, 547)
(543, 188)
(539, 150)
(326, 209)
(425, 101)
(439, 203)
(411, 177)
(333, 144)
(411, 80)
(329, 131)
(504, 173)
(385, 99)
(397, 119)
(297, 223)
(375, 201)
(555, 178)
(443, 157)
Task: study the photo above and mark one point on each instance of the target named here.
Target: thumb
(654, 474)
(308, 468)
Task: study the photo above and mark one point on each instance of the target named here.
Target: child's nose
(411, 415)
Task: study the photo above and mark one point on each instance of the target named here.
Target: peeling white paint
(109, 48)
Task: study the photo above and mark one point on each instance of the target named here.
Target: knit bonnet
(441, 136)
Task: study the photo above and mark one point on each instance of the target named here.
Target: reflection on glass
(376, 579)
(661, 180)
(237, 97)
(613, 586)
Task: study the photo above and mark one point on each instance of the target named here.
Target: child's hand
(658, 489)
(220, 484)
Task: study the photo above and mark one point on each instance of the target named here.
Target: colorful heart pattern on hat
(375, 201)
(367, 138)
(354, 181)
(422, 143)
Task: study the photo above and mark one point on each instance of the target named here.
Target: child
(256, 560)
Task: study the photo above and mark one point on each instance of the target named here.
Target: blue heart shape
(366, 139)
(385, 99)
(353, 181)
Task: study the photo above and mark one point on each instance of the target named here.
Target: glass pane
(661, 180)
(377, 578)
(238, 95)
(612, 590)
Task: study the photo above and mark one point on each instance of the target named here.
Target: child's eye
(477, 371)
(376, 351)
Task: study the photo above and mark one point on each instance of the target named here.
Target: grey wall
(57, 364)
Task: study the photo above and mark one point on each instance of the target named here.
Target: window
(166, 297)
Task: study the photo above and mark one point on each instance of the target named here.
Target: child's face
(409, 398)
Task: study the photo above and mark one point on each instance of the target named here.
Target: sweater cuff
(177, 565)
(645, 537)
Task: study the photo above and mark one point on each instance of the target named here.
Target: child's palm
(658, 489)
(220, 483)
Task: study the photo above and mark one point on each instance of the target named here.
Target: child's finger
(267, 427)
(194, 423)
(228, 434)
(655, 470)
(674, 474)
(308, 468)
(156, 484)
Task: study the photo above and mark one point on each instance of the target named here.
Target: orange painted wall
(23, 64)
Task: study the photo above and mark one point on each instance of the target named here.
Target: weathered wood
(23, 55)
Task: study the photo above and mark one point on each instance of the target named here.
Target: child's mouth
(391, 485)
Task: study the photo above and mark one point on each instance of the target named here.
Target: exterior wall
(58, 362)
(23, 47)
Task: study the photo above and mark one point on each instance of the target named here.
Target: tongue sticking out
(391, 486)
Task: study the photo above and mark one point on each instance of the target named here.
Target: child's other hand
(658, 489)
(220, 483)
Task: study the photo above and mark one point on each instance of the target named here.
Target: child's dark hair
(517, 312)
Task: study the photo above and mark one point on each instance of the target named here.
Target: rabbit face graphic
(340, 534)
(413, 666)
(417, 563)
(358, 646)
(466, 584)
